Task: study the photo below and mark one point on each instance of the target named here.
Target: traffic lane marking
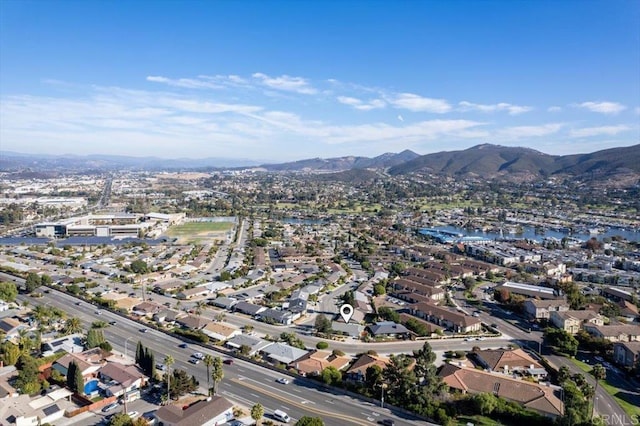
(301, 406)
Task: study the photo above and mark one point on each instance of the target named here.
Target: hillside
(492, 161)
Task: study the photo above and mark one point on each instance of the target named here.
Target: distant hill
(492, 161)
(344, 163)
(13, 161)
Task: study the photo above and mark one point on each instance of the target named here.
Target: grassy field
(196, 231)
(631, 410)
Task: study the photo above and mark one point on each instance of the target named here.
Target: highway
(244, 383)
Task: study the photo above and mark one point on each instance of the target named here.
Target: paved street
(244, 383)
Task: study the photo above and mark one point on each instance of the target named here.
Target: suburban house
(278, 317)
(11, 327)
(224, 302)
(541, 309)
(508, 361)
(193, 322)
(212, 411)
(146, 309)
(282, 353)
(314, 362)
(543, 399)
(248, 308)
(615, 333)
(168, 316)
(358, 370)
(220, 331)
(353, 330)
(616, 294)
(45, 409)
(255, 344)
(190, 293)
(70, 344)
(626, 354)
(447, 318)
(574, 321)
(121, 378)
(89, 362)
(388, 329)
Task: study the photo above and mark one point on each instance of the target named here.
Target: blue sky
(286, 80)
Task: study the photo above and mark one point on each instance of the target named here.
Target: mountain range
(484, 161)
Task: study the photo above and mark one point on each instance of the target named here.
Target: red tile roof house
(314, 362)
(540, 398)
(508, 361)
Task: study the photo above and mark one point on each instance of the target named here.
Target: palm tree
(257, 411)
(599, 373)
(208, 361)
(169, 361)
(217, 373)
(200, 305)
(73, 325)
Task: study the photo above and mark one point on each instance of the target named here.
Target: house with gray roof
(281, 352)
(388, 329)
(224, 302)
(278, 317)
(254, 343)
(353, 330)
(248, 308)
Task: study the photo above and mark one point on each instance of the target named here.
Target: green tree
(388, 314)
(32, 282)
(331, 376)
(27, 380)
(484, 403)
(181, 383)
(379, 290)
(217, 373)
(75, 382)
(9, 352)
(309, 421)
(323, 324)
(95, 338)
(8, 291)
(139, 267)
(120, 419)
(257, 411)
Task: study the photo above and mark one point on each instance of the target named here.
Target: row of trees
(145, 360)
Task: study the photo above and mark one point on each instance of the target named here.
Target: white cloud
(602, 107)
(554, 109)
(417, 103)
(359, 104)
(520, 132)
(286, 83)
(502, 106)
(586, 132)
(637, 110)
(188, 83)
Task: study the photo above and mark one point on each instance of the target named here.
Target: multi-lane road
(244, 383)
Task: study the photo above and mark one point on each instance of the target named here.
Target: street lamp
(383, 386)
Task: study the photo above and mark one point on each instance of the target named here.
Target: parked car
(109, 407)
(133, 415)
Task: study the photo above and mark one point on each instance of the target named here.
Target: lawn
(191, 231)
(631, 410)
